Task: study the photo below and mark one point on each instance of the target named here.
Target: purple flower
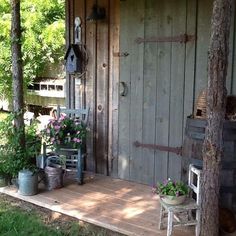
(165, 182)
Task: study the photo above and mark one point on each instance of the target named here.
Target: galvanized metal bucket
(28, 183)
(54, 176)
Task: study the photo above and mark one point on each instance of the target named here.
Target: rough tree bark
(216, 102)
(17, 71)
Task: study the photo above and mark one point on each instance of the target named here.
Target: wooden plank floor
(125, 207)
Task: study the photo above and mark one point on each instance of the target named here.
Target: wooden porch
(121, 206)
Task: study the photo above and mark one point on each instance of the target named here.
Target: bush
(13, 157)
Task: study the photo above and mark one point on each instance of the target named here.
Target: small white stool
(182, 215)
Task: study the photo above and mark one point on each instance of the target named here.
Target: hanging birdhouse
(73, 59)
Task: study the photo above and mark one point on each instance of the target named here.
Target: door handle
(123, 89)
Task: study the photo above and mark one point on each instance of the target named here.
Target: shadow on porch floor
(125, 207)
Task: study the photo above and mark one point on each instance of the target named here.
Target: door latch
(123, 89)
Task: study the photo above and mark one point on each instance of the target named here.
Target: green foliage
(43, 32)
(13, 157)
(171, 188)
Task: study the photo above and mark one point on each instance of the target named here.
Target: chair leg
(170, 223)
(197, 227)
(80, 167)
(161, 217)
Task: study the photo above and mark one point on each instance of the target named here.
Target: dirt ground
(55, 219)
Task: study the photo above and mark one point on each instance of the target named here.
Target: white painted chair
(185, 214)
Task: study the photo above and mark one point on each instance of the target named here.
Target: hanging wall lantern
(98, 13)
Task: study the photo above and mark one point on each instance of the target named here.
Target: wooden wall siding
(204, 11)
(94, 91)
(113, 87)
(163, 76)
(102, 84)
(149, 88)
(203, 34)
(126, 41)
(177, 81)
(91, 29)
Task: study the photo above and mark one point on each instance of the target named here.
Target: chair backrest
(194, 181)
(81, 113)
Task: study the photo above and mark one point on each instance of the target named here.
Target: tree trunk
(17, 72)
(216, 102)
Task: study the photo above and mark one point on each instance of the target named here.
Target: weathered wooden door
(156, 86)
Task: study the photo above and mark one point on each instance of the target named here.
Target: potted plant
(65, 132)
(172, 192)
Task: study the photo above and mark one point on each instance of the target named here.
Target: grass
(16, 222)
(18, 218)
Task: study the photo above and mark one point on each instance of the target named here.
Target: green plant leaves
(172, 188)
(12, 157)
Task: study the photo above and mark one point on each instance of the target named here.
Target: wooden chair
(185, 214)
(81, 113)
(74, 157)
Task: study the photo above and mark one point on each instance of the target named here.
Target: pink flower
(48, 131)
(52, 139)
(57, 127)
(62, 117)
(78, 140)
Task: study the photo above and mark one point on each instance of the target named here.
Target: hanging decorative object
(98, 13)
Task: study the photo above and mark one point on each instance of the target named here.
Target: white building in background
(45, 94)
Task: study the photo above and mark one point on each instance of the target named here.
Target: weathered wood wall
(163, 81)
(100, 39)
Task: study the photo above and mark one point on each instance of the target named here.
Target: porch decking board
(124, 207)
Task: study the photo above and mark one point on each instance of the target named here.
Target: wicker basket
(200, 106)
